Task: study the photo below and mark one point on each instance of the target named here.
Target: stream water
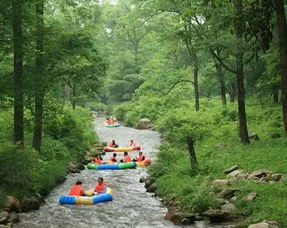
(132, 205)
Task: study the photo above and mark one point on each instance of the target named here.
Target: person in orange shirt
(140, 158)
(77, 189)
(113, 159)
(98, 160)
(132, 143)
(127, 158)
(113, 144)
(101, 186)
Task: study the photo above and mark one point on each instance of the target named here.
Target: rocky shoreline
(226, 214)
(12, 206)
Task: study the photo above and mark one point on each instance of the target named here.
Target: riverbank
(28, 176)
(206, 190)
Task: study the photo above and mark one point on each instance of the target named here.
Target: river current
(131, 207)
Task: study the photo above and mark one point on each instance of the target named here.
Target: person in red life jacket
(140, 158)
(127, 158)
(132, 143)
(101, 186)
(98, 160)
(113, 159)
(77, 189)
(113, 144)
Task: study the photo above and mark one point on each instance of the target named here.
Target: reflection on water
(132, 205)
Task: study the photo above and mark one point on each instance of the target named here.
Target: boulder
(152, 187)
(253, 136)
(216, 215)
(148, 182)
(258, 174)
(231, 169)
(144, 123)
(234, 173)
(40, 198)
(228, 207)
(250, 197)
(234, 180)
(12, 204)
(13, 217)
(265, 224)
(229, 192)
(142, 179)
(30, 204)
(173, 216)
(81, 167)
(4, 215)
(220, 182)
(73, 168)
(276, 177)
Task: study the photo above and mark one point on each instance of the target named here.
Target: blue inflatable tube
(113, 125)
(129, 165)
(85, 200)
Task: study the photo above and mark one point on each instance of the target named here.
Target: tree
(18, 71)
(39, 82)
(282, 34)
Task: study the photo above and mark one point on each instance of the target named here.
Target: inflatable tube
(85, 200)
(112, 125)
(128, 165)
(121, 149)
(144, 163)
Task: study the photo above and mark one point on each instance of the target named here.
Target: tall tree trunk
(282, 34)
(239, 29)
(39, 82)
(220, 77)
(192, 155)
(195, 79)
(74, 96)
(232, 92)
(18, 72)
(275, 94)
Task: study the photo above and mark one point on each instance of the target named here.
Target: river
(132, 205)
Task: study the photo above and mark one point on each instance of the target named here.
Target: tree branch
(178, 82)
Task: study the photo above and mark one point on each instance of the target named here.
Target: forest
(211, 76)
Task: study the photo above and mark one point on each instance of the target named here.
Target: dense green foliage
(26, 172)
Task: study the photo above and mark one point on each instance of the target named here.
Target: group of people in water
(98, 160)
(78, 190)
(111, 120)
(101, 186)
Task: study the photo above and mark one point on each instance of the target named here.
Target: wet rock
(142, 179)
(72, 168)
(231, 169)
(216, 215)
(61, 180)
(253, 136)
(220, 182)
(229, 192)
(235, 173)
(173, 216)
(13, 217)
(152, 187)
(81, 167)
(144, 123)
(12, 204)
(243, 176)
(4, 215)
(148, 182)
(233, 199)
(265, 224)
(40, 198)
(30, 204)
(4, 226)
(187, 221)
(250, 197)
(276, 177)
(228, 207)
